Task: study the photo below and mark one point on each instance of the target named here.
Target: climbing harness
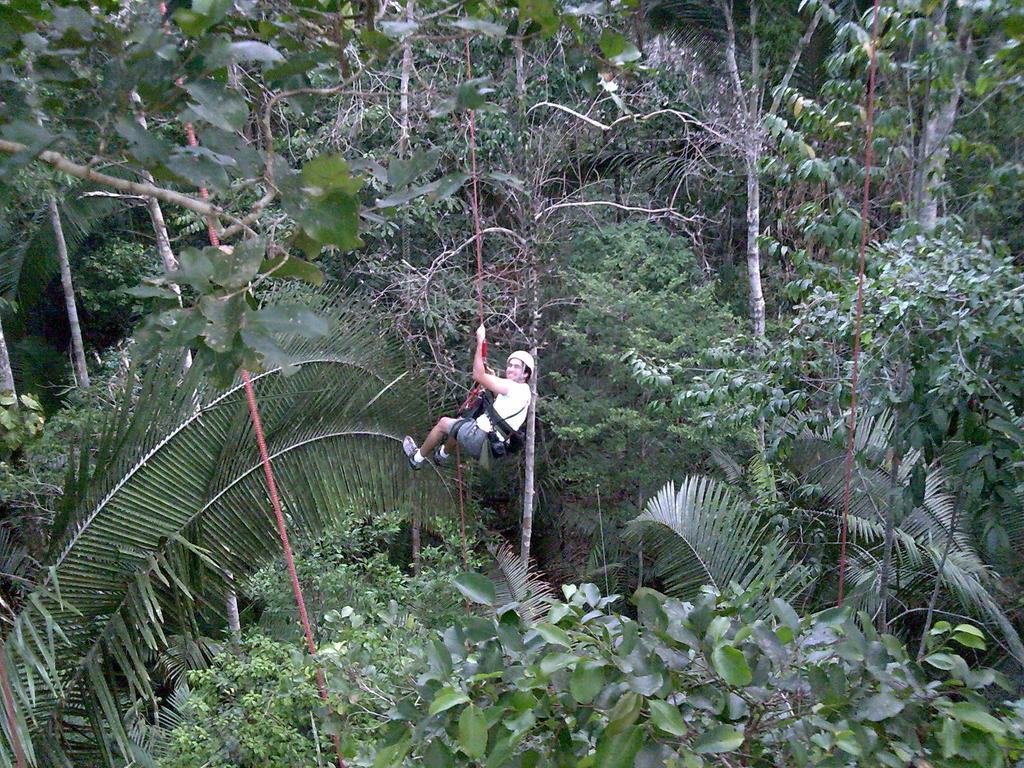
(869, 132)
(502, 439)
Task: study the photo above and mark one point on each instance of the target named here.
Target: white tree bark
(156, 217)
(6, 372)
(77, 347)
(753, 246)
(937, 128)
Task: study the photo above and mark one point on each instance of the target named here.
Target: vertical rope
(478, 236)
(869, 132)
(268, 471)
(12, 722)
(462, 504)
(282, 530)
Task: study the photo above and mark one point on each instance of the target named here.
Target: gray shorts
(470, 436)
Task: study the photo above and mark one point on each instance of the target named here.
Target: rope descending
(869, 132)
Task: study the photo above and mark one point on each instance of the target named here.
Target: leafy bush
(362, 562)
(259, 705)
(255, 707)
(711, 683)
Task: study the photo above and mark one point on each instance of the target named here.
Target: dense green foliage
(709, 683)
(670, 197)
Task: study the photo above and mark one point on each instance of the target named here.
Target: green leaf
(970, 641)
(879, 707)
(476, 588)
(332, 219)
(218, 106)
(847, 742)
(624, 713)
(553, 662)
(785, 613)
(446, 698)
(721, 738)
(403, 172)
(398, 30)
(290, 266)
(235, 267)
(969, 636)
(586, 681)
(616, 48)
(391, 756)
(479, 25)
(618, 750)
(291, 318)
(553, 634)
(448, 186)
(329, 173)
(543, 12)
(473, 732)
(473, 93)
(254, 50)
(666, 717)
(976, 717)
(732, 665)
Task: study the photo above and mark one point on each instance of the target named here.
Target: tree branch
(634, 208)
(64, 165)
(683, 116)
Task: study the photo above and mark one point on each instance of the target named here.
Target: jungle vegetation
(769, 258)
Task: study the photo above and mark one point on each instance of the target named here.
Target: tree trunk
(231, 600)
(77, 347)
(748, 106)
(753, 246)
(530, 467)
(937, 128)
(6, 372)
(156, 217)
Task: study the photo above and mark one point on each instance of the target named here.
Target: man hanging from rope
(493, 425)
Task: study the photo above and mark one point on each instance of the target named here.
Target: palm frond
(177, 471)
(705, 534)
(519, 582)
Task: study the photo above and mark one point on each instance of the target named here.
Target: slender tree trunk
(156, 213)
(938, 128)
(231, 600)
(748, 105)
(6, 372)
(530, 458)
(753, 246)
(77, 347)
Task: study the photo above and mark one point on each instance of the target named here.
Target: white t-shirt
(511, 407)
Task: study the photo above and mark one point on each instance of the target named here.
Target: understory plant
(718, 681)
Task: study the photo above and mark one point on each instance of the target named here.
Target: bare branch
(64, 165)
(634, 208)
(683, 116)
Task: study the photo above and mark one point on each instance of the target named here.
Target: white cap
(524, 357)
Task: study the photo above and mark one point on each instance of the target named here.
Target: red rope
(12, 723)
(478, 236)
(462, 505)
(268, 471)
(275, 501)
(869, 130)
